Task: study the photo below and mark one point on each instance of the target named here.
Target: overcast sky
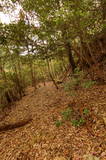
(10, 16)
(4, 18)
(14, 16)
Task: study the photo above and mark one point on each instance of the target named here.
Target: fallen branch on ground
(15, 125)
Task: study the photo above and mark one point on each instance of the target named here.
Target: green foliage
(88, 84)
(12, 87)
(71, 84)
(58, 123)
(104, 26)
(78, 73)
(18, 81)
(8, 93)
(59, 23)
(74, 117)
(86, 111)
(74, 81)
(78, 122)
(66, 114)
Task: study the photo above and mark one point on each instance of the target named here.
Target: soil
(40, 139)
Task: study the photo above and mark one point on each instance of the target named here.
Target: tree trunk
(67, 46)
(71, 59)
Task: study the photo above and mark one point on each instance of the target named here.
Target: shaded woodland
(55, 47)
(67, 35)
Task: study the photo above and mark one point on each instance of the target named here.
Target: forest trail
(40, 139)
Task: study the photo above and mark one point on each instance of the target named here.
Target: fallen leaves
(59, 158)
(42, 140)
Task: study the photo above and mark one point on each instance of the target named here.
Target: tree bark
(71, 59)
(68, 48)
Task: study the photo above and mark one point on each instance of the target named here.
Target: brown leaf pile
(42, 140)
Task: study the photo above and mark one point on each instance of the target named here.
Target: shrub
(8, 93)
(12, 88)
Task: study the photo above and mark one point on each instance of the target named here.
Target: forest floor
(40, 139)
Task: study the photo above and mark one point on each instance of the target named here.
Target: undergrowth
(75, 118)
(11, 89)
(77, 81)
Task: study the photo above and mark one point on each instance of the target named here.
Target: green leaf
(58, 123)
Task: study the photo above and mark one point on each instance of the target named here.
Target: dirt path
(41, 139)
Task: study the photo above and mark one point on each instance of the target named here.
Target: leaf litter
(42, 140)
